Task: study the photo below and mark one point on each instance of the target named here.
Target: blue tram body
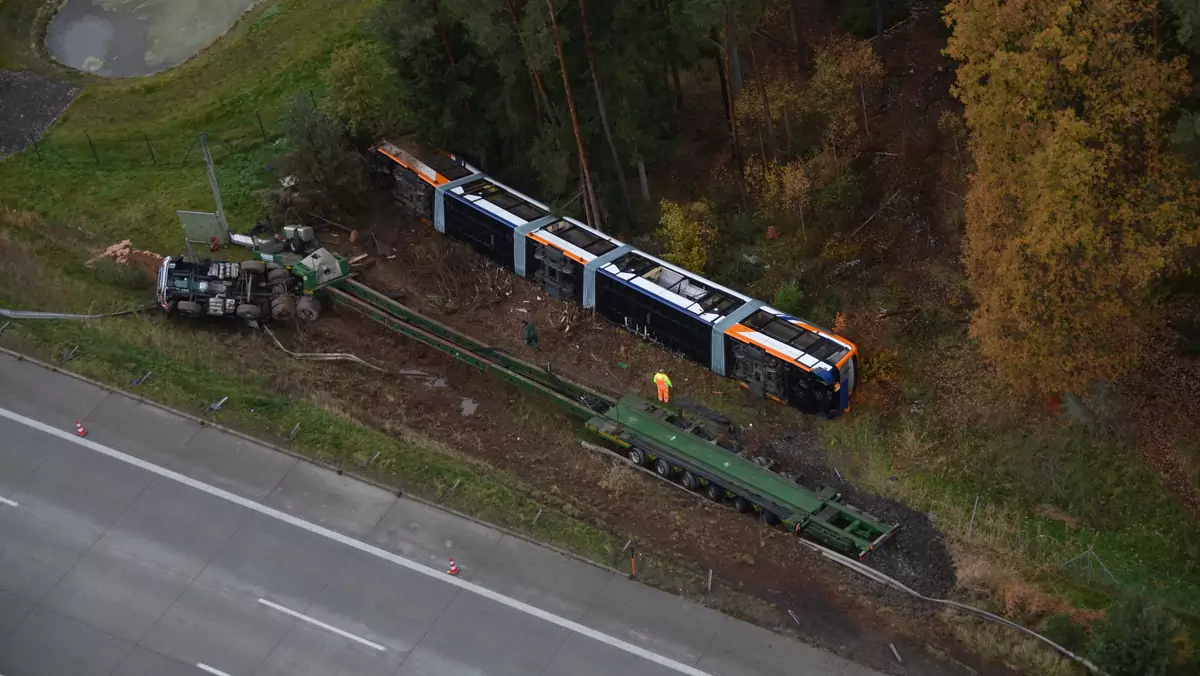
(773, 354)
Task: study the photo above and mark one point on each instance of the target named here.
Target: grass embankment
(270, 56)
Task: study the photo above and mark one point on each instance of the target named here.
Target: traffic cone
(79, 431)
(453, 570)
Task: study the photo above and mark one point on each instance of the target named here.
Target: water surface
(137, 37)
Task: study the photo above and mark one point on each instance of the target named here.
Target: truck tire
(689, 481)
(254, 267)
(273, 266)
(308, 309)
(278, 275)
(769, 518)
(637, 456)
(248, 311)
(714, 492)
(743, 505)
(283, 308)
(187, 307)
(663, 468)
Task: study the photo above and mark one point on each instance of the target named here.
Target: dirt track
(29, 104)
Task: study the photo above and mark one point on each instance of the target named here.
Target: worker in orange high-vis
(664, 386)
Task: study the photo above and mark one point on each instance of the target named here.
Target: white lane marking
(10, 503)
(326, 627)
(204, 667)
(435, 573)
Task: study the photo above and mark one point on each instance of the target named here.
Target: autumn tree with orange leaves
(1077, 207)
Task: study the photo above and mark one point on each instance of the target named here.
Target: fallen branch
(872, 216)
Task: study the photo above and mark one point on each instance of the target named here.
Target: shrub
(688, 232)
(1135, 640)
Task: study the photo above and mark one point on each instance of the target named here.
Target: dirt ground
(29, 104)
(521, 434)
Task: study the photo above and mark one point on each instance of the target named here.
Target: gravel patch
(916, 555)
(29, 104)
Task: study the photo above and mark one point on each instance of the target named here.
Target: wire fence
(142, 150)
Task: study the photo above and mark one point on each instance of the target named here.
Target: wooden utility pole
(583, 165)
(612, 143)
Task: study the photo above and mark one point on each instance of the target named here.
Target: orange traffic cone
(453, 570)
(79, 429)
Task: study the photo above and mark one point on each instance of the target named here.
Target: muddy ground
(29, 104)
(521, 434)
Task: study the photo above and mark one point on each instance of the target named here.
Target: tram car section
(769, 352)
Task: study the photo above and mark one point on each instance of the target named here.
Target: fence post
(36, 151)
(150, 148)
(95, 156)
(261, 129)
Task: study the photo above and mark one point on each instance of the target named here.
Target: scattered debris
(216, 405)
(292, 435)
(139, 381)
(468, 406)
(895, 652)
(69, 354)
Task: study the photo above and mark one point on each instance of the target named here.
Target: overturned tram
(775, 355)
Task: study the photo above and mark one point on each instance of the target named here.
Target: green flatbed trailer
(672, 450)
(699, 453)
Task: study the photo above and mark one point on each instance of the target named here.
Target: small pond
(120, 38)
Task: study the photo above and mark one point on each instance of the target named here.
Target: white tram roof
(685, 290)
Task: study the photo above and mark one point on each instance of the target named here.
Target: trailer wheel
(254, 267)
(663, 468)
(273, 266)
(283, 308)
(248, 311)
(714, 492)
(278, 275)
(308, 309)
(743, 505)
(637, 456)
(769, 518)
(689, 481)
(189, 308)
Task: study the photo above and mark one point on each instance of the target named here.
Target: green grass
(272, 55)
(1047, 492)
(195, 366)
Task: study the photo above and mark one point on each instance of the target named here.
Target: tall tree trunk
(562, 63)
(537, 76)
(730, 112)
(792, 18)
(645, 182)
(446, 43)
(879, 7)
(762, 92)
(612, 144)
(734, 65)
(671, 51)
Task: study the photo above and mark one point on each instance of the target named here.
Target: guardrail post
(149, 147)
(261, 129)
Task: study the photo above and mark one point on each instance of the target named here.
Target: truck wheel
(308, 309)
(689, 481)
(637, 456)
(278, 275)
(769, 518)
(714, 492)
(663, 468)
(187, 307)
(273, 266)
(743, 505)
(254, 267)
(283, 308)
(248, 311)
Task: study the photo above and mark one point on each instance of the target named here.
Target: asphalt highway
(159, 547)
